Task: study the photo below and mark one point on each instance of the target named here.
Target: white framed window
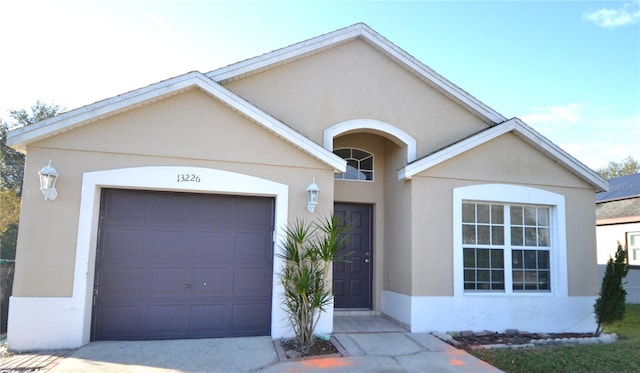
(633, 248)
(509, 239)
(359, 164)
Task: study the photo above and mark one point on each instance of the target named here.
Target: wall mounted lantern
(48, 177)
(312, 196)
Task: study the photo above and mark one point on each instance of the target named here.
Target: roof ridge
(316, 44)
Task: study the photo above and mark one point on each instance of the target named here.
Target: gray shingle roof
(618, 209)
(621, 188)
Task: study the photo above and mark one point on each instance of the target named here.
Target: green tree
(610, 306)
(627, 166)
(12, 173)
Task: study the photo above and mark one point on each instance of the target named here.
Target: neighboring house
(172, 200)
(618, 221)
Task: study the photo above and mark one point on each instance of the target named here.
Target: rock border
(602, 339)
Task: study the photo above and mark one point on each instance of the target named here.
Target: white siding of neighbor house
(608, 237)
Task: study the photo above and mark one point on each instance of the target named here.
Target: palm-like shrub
(308, 250)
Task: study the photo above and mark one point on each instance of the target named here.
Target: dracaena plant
(308, 251)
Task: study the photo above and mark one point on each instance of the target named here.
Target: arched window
(359, 164)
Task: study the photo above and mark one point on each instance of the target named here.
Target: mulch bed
(512, 339)
(320, 348)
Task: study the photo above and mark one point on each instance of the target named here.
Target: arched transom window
(359, 164)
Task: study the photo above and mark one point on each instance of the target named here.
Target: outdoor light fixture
(312, 195)
(48, 177)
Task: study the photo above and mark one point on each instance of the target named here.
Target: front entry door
(352, 274)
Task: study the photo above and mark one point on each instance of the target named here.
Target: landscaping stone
(608, 338)
(293, 354)
(484, 333)
(447, 338)
(514, 338)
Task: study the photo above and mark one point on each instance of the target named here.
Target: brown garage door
(179, 265)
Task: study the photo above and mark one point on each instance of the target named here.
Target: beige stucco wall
(355, 81)
(506, 159)
(398, 254)
(189, 129)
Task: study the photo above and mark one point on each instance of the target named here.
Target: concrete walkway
(368, 352)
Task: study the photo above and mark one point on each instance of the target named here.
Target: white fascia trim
(456, 149)
(373, 38)
(427, 73)
(520, 129)
(278, 56)
(578, 168)
(52, 126)
(20, 137)
(399, 136)
(271, 124)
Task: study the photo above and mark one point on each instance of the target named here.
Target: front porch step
(347, 312)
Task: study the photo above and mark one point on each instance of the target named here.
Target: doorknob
(366, 260)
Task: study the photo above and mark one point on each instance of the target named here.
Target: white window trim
(513, 194)
(393, 133)
(630, 249)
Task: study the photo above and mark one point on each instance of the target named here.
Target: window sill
(505, 294)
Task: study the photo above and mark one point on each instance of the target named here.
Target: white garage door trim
(66, 322)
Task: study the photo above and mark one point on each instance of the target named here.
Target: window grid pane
(531, 241)
(482, 231)
(483, 269)
(530, 226)
(530, 270)
(359, 164)
(528, 244)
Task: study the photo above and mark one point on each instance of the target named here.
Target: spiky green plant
(308, 250)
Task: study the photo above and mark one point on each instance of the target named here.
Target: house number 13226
(188, 178)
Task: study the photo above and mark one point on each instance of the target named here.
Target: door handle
(187, 286)
(366, 260)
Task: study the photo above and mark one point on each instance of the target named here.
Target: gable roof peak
(361, 31)
(21, 137)
(524, 132)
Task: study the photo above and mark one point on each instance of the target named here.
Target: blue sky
(571, 70)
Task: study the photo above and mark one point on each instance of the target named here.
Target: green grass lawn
(623, 356)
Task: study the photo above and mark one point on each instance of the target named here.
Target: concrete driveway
(368, 352)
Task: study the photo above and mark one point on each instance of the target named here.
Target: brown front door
(352, 276)
(182, 265)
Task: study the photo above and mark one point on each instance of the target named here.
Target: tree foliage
(627, 166)
(308, 251)
(12, 173)
(610, 306)
(39, 111)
